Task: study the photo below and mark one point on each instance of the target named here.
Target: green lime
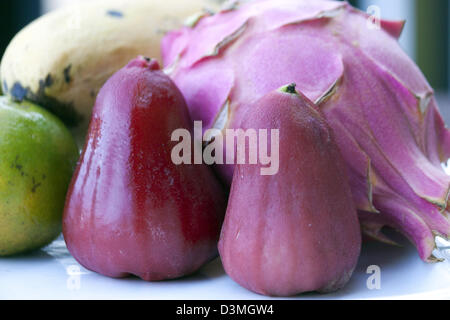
(37, 158)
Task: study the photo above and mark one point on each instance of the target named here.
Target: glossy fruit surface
(130, 209)
(295, 231)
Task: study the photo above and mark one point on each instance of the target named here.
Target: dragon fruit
(379, 104)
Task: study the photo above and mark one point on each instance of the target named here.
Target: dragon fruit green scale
(381, 107)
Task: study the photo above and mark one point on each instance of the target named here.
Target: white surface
(52, 273)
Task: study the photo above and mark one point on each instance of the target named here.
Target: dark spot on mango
(47, 82)
(115, 13)
(18, 92)
(66, 73)
(65, 111)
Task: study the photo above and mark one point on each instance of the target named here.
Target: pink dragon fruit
(382, 109)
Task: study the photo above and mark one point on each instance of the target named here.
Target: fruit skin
(380, 106)
(296, 231)
(130, 209)
(37, 159)
(62, 59)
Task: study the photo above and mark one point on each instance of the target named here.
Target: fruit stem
(290, 88)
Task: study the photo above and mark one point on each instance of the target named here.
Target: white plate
(52, 273)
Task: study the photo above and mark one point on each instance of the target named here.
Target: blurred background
(426, 37)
